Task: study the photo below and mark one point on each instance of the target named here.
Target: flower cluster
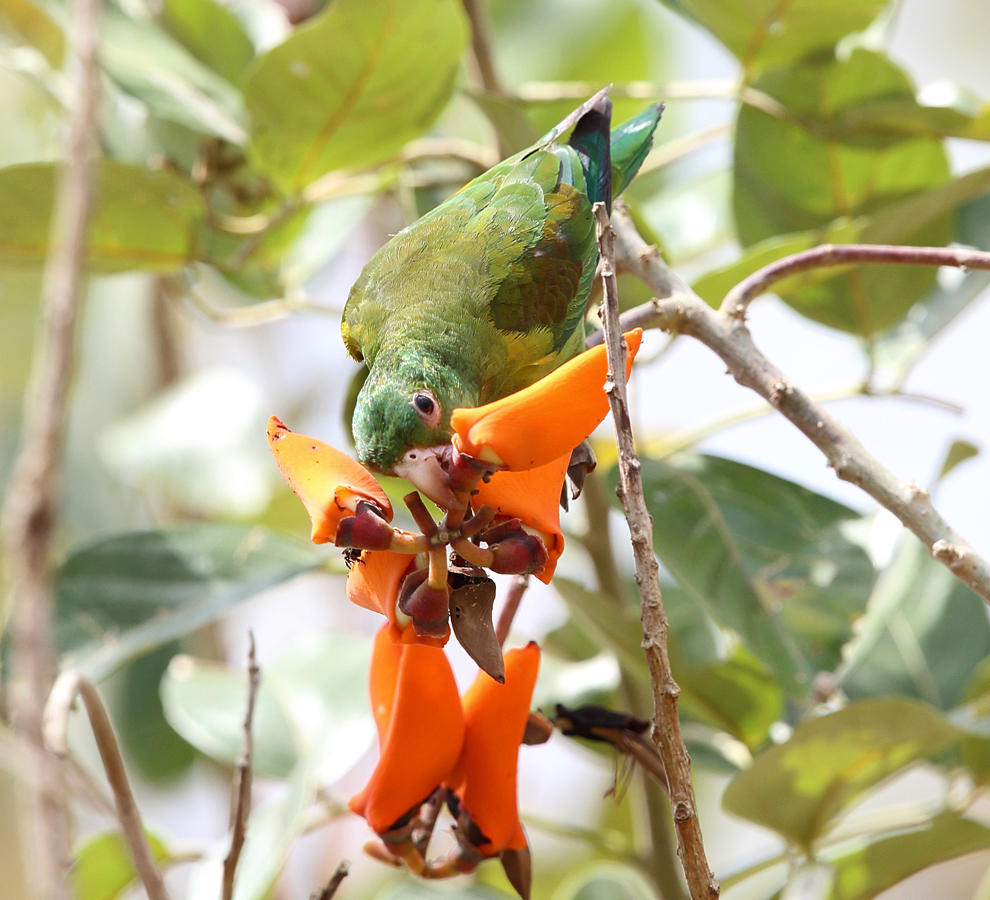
(504, 475)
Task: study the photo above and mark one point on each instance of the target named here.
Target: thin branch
(484, 60)
(56, 719)
(29, 513)
(241, 805)
(831, 255)
(512, 600)
(339, 874)
(666, 731)
(678, 308)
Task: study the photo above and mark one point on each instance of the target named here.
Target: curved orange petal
(374, 581)
(385, 658)
(494, 721)
(533, 496)
(328, 482)
(424, 736)
(534, 426)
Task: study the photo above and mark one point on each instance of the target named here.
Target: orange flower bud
(542, 422)
(494, 723)
(421, 729)
(329, 483)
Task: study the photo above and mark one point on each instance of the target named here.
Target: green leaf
(959, 452)
(923, 633)
(29, 22)
(764, 556)
(308, 688)
(102, 868)
(605, 880)
(145, 62)
(351, 86)
(122, 595)
(141, 219)
(737, 695)
(792, 175)
(958, 114)
(866, 871)
(212, 33)
(799, 787)
(766, 34)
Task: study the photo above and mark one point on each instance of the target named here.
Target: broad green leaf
(737, 695)
(791, 176)
(144, 61)
(205, 701)
(141, 219)
(212, 33)
(922, 635)
(799, 787)
(122, 595)
(102, 868)
(350, 87)
(311, 687)
(767, 34)
(605, 880)
(866, 871)
(764, 556)
(145, 735)
(959, 114)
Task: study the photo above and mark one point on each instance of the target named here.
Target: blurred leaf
(145, 735)
(508, 118)
(350, 87)
(958, 114)
(764, 556)
(205, 702)
(212, 33)
(791, 176)
(605, 880)
(959, 452)
(40, 119)
(31, 23)
(922, 635)
(141, 219)
(866, 871)
(799, 787)
(102, 868)
(766, 34)
(124, 594)
(975, 747)
(144, 61)
(737, 695)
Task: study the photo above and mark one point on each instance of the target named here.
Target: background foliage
(834, 679)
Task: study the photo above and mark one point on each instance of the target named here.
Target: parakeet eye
(426, 405)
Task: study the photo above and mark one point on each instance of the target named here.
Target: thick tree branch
(677, 308)
(241, 800)
(830, 255)
(56, 719)
(666, 725)
(30, 509)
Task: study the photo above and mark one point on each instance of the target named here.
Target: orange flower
(329, 483)
(484, 780)
(532, 496)
(374, 582)
(420, 726)
(544, 421)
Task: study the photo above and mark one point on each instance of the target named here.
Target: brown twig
(241, 796)
(666, 732)
(830, 255)
(56, 719)
(677, 308)
(484, 60)
(513, 598)
(30, 509)
(339, 874)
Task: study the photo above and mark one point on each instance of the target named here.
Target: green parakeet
(486, 293)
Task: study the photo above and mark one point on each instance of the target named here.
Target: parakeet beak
(423, 469)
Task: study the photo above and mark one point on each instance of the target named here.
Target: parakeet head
(402, 424)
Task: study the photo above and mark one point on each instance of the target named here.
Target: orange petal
(494, 721)
(328, 482)
(424, 735)
(385, 658)
(551, 417)
(533, 496)
(374, 581)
